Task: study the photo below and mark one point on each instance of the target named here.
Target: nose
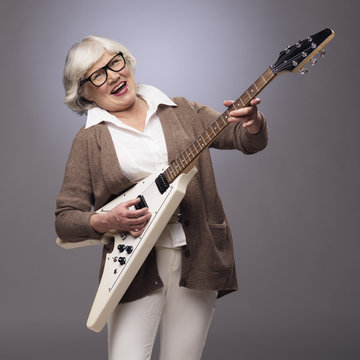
(112, 76)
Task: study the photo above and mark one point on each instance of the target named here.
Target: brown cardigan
(93, 177)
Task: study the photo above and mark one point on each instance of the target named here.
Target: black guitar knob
(129, 249)
(121, 247)
(122, 260)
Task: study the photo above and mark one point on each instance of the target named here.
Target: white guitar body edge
(117, 277)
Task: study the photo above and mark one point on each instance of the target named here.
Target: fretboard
(191, 154)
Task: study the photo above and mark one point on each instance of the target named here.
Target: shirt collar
(153, 96)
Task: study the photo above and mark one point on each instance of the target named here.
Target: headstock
(294, 57)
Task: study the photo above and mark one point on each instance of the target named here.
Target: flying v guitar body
(129, 253)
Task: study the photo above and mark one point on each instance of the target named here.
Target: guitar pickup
(162, 183)
(142, 203)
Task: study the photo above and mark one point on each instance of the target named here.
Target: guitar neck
(189, 157)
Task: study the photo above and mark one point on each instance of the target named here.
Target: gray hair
(79, 60)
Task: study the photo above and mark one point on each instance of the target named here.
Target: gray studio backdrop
(294, 208)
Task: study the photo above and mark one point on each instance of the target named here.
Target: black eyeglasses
(99, 77)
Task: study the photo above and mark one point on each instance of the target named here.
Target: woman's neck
(135, 116)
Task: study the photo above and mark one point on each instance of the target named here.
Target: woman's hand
(122, 218)
(249, 116)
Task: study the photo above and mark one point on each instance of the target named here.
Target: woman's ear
(86, 92)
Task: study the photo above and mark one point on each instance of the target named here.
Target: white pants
(185, 316)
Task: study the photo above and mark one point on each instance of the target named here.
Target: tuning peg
(322, 53)
(303, 71)
(313, 61)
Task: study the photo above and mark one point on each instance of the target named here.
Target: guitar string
(293, 48)
(283, 66)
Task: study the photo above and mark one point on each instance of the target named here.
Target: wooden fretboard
(207, 137)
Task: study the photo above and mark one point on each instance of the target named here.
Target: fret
(188, 155)
(208, 136)
(227, 112)
(183, 160)
(174, 174)
(169, 174)
(245, 101)
(192, 152)
(171, 177)
(215, 127)
(212, 129)
(194, 146)
(224, 122)
(260, 82)
(203, 142)
(176, 164)
(251, 91)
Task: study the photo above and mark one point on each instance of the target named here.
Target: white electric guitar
(162, 192)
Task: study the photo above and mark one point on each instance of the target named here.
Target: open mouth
(119, 88)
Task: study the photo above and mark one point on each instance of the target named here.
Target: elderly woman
(131, 130)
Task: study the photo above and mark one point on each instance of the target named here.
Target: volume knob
(121, 247)
(122, 260)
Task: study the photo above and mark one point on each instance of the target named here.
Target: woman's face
(118, 93)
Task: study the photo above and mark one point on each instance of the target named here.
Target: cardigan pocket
(222, 252)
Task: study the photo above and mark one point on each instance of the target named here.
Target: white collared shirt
(141, 153)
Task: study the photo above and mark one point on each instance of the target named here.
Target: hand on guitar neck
(251, 119)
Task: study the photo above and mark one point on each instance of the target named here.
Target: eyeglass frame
(82, 82)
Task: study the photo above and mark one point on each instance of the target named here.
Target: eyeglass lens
(116, 64)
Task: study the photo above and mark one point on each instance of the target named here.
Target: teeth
(119, 86)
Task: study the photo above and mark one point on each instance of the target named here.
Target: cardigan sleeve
(75, 200)
(235, 136)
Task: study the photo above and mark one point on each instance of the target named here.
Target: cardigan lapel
(114, 178)
(176, 138)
